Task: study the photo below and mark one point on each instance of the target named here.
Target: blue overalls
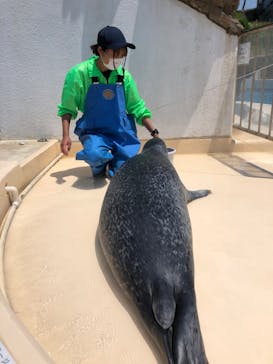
(106, 131)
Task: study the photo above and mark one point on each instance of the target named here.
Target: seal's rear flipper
(188, 345)
(178, 332)
(163, 304)
(164, 307)
(193, 195)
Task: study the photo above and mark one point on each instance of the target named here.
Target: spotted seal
(145, 235)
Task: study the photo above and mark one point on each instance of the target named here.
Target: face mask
(114, 63)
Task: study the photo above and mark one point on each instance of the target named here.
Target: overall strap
(120, 78)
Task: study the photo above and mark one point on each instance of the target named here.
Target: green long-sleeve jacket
(78, 80)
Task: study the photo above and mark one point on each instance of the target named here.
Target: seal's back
(145, 234)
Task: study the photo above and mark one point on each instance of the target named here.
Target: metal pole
(242, 100)
(261, 106)
(270, 121)
(251, 100)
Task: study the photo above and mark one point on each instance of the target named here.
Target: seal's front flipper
(193, 195)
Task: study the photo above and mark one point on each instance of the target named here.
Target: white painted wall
(184, 64)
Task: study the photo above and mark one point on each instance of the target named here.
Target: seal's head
(155, 145)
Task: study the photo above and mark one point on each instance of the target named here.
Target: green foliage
(240, 15)
(248, 25)
(258, 24)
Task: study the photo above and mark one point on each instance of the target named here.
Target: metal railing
(253, 102)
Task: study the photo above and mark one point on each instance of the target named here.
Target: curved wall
(184, 64)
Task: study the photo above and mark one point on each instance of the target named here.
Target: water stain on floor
(242, 166)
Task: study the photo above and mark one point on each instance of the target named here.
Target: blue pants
(100, 150)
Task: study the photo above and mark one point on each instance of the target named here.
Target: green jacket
(78, 80)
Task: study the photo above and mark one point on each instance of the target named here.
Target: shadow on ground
(85, 180)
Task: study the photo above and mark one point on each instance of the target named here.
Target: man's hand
(150, 127)
(155, 133)
(66, 141)
(66, 145)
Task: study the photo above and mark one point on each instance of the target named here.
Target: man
(108, 97)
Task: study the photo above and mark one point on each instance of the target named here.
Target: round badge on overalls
(108, 94)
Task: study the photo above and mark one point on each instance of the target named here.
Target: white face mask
(114, 63)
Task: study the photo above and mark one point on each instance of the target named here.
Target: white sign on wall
(244, 53)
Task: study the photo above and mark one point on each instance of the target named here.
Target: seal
(145, 235)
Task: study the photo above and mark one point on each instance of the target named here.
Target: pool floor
(60, 288)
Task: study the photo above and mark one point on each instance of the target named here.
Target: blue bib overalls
(106, 131)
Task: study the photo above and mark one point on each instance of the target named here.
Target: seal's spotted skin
(145, 234)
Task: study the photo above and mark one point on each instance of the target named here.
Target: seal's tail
(187, 343)
(193, 195)
(179, 335)
(164, 307)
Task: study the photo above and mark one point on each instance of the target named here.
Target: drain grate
(241, 166)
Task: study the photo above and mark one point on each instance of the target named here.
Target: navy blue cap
(112, 38)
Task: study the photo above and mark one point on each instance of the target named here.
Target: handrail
(253, 72)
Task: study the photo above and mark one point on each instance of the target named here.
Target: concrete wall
(184, 64)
